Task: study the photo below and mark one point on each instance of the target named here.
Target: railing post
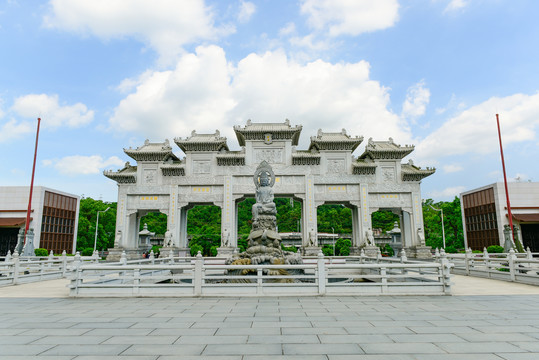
(199, 262)
(486, 260)
(467, 260)
(171, 257)
(511, 259)
(136, 281)
(50, 259)
(259, 290)
(445, 272)
(15, 268)
(8, 256)
(76, 274)
(383, 273)
(123, 258)
(321, 264)
(362, 256)
(404, 258)
(529, 254)
(437, 254)
(152, 257)
(95, 256)
(64, 263)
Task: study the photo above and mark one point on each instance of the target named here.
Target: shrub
(41, 252)
(156, 249)
(450, 249)
(289, 248)
(327, 250)
(342, 247)
(195, 248)
(87, 251)
(387, 250)
(493, 249)
(213, 251)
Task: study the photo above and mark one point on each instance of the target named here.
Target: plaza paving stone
(501, 326)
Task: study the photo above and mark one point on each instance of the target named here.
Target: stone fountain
(264, 242)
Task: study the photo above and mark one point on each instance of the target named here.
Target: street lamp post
(333, 237)
(442, 216)
(97, 224)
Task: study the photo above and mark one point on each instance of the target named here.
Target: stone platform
(487, 319)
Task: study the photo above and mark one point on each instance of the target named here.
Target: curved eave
(416, 175)
(282, 134)
(121, 178)
(187, 145)
(306, 158)
(386, 155)
(364, 169)
(348, 145)
(173, 170)
(150, 155)
(230, 159)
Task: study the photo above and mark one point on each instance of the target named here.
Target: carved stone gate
(325, 173)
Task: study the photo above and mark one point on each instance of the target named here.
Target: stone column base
(419, 252)
(176, 251)
(371, 250)
(226, 251)
(131, 254)
(311, 250)
(355, 250)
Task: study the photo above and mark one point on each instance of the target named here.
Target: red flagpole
(505, 179)
(31, 184)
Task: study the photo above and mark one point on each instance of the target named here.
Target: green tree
(334, 218)
(157, 222)
(452, 223)
(87, 221)
(384, 219)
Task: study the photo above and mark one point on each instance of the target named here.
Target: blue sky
(105, 75)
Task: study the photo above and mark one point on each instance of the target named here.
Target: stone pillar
(357, 229)
(28, 249)
(309, 242)
(182, 238)
(228, 220)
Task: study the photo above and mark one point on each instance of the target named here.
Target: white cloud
(52, 113)
(247, 9)
(205, 92)
(346, 17)
(417, 99)
(196, 94)
(474, 130)
(289, 29)
(164, 25)
(447, 193)
(12, 130)
(82, 165)
(452, 168)
(456, 5)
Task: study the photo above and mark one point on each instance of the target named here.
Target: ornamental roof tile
(258, 131)
(151, 151)
(127, 175)
(334, 141)
(202, 142)
(385, 150)
(410, 172)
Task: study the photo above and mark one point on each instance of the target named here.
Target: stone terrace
(39, 321)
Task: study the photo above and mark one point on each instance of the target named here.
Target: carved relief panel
(335, 166)
(388, 174)
(201, 167)
(272, 155)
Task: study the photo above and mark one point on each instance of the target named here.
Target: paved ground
(38, 321)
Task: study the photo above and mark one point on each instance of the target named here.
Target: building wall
(481, 204)
(49, 209)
